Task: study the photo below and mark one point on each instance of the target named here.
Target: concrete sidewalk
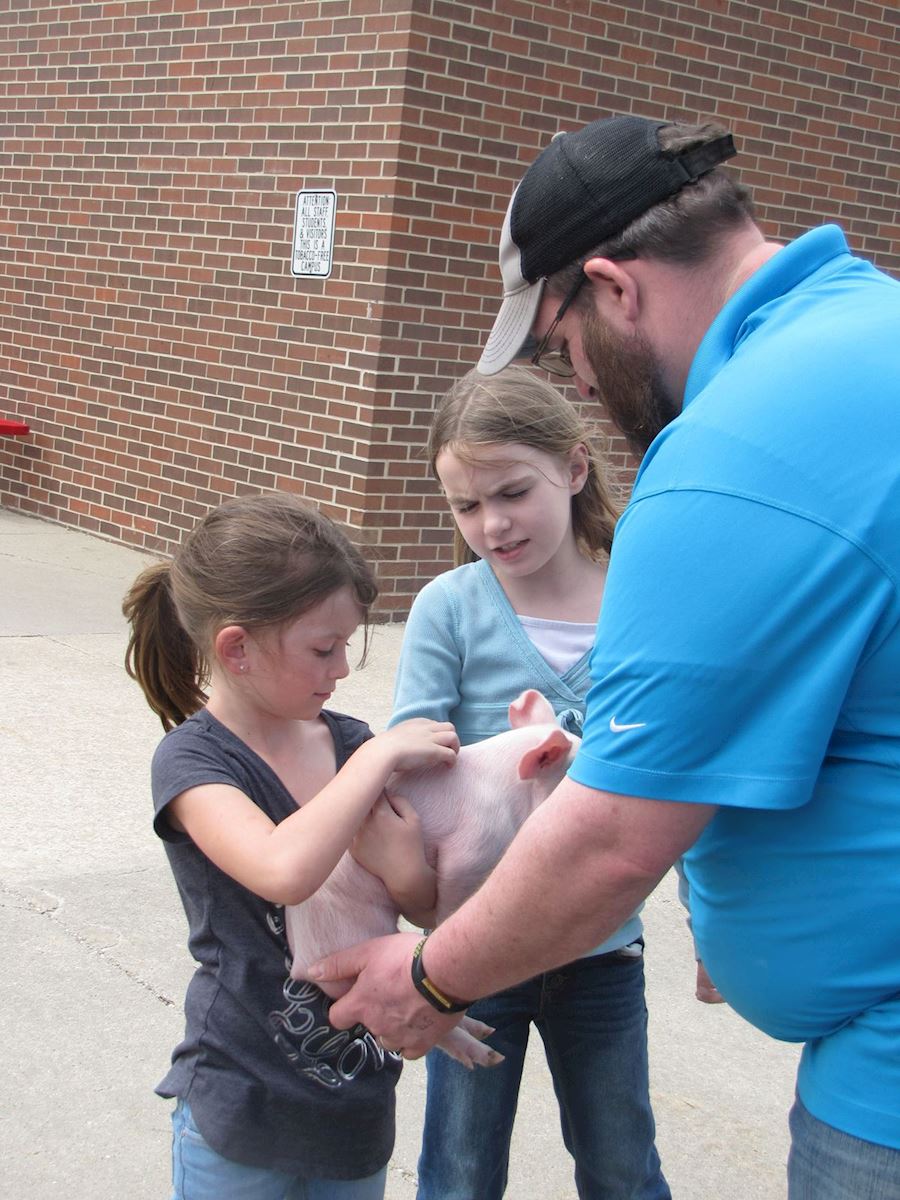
(94, 939)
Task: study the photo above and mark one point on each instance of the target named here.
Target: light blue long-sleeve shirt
(465, 657)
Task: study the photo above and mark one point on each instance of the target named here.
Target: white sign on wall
(314, 233)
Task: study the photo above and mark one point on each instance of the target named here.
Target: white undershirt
(560, 643)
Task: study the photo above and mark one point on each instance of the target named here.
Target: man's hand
(383, 997)
(706, 989)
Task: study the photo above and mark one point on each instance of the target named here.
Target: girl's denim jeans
(593, 1020)
(199, 1173)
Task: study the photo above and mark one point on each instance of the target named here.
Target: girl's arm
(287, 862)
(389, 844)
(429, 669)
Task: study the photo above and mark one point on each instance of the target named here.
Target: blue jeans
(827, 1164)
(593, 1020)
(199, 1173)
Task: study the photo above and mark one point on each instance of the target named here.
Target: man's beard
(629, 382)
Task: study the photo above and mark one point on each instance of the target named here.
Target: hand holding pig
(407, 1024)
(390, 835)
(390, 845)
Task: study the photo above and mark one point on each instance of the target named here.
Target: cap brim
(511, 328)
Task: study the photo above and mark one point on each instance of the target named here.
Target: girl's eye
(515, 495)
(331, 650)
(465, 508)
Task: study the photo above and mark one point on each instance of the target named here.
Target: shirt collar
(791, 266)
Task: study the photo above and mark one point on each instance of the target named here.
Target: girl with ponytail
(258, 790)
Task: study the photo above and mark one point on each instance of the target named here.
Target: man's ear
(615, 291)
(231, 649)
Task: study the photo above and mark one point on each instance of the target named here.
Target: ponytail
(160, 655)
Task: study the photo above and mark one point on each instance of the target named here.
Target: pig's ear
(554, 747)
(531, 708)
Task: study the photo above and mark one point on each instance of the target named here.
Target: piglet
(469, 815)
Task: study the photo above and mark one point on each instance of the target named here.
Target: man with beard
(745, 709)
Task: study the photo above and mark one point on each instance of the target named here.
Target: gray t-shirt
(269, 1081)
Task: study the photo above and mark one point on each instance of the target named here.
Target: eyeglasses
(557, 362)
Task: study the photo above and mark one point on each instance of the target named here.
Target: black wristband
(425, 987)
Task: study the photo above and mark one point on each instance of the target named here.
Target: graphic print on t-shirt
(331, 1057)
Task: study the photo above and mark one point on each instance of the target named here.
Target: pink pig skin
(469, 814)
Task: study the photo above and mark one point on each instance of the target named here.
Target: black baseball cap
(583, 188)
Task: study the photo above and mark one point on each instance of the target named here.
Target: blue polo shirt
(748, 656)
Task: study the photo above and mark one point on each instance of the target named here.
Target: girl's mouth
(508, 548)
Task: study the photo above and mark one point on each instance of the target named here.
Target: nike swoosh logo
(615, 727)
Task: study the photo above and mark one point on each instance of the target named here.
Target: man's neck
(748, 265)
(688, 301)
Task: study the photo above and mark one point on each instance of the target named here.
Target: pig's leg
(475, 1028)
(466, 1044)
(336, 989)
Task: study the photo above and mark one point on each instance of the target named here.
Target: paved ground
(93, 938)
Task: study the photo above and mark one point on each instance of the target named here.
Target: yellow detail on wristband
(426, 988)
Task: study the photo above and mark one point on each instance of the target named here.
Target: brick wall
(151, 331)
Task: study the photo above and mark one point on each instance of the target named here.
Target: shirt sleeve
(186, 758)
(429, 668)
(729, 634)
(348, 734)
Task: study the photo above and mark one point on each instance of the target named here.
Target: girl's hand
(390, 845)
(389, 838)
(419, 743)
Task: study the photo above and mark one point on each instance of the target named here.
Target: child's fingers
(381, 810)
(448, 736)
(404, 808)
(441, 732)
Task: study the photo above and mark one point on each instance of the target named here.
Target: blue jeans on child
(199, 1173)
(593, 1020)
(827, 1164)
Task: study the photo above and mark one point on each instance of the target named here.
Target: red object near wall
(13, 428)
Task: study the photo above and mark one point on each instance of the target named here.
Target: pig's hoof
(459, 1044)
(477, 1029)
(485, 1057)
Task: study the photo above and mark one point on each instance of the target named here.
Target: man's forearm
(579, 867)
